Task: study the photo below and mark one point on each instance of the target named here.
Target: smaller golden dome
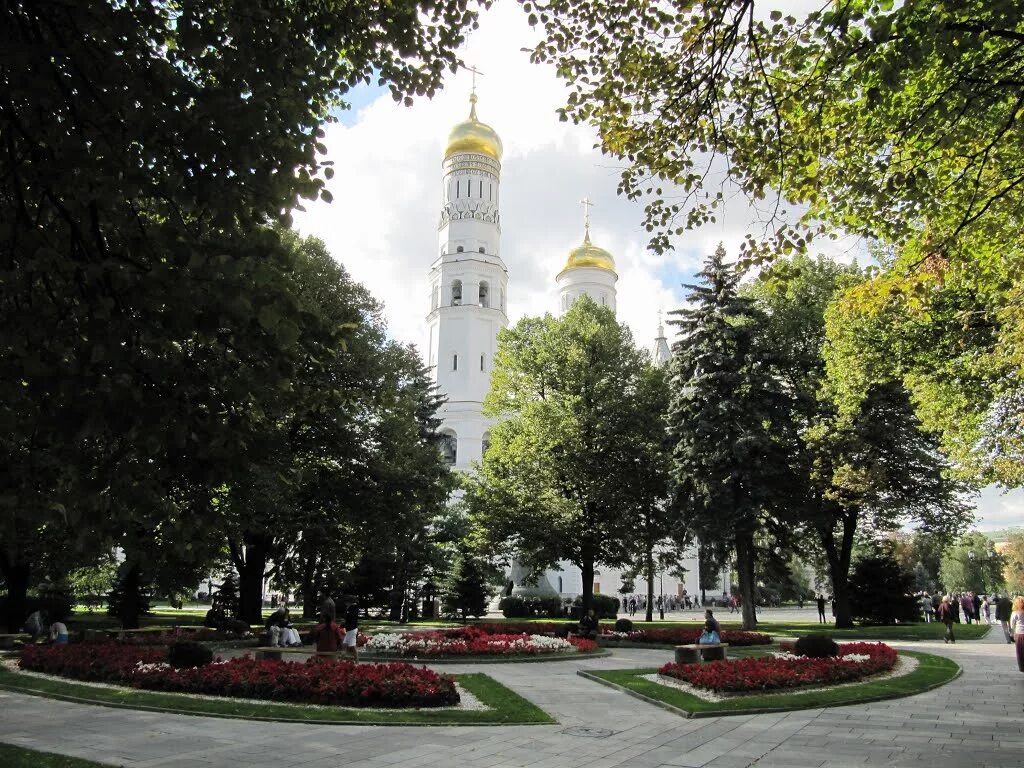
(589, 255)
(473, 136)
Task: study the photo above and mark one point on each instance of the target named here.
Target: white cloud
(998, 509)
(382, 224)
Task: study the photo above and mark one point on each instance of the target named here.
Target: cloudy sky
(382, 224)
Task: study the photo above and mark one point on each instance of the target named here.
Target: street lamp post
(661, 598)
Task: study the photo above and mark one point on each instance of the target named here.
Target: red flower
(772, 673)
(340, 683)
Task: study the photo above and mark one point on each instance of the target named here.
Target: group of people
(36, 626)
(995, 609)
(683, 602)
(973, 606)
(280, 632)
(328, 636)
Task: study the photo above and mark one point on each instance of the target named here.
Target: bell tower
(468, 284)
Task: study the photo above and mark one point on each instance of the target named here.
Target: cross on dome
(587, 203)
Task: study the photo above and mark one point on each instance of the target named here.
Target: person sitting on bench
(329, 635)
(588, 625)
(712, 634)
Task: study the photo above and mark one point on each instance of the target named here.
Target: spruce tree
(466, 590)
(729, 465)
(130, 596)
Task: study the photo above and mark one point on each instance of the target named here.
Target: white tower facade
(589, 270)
(468, 286)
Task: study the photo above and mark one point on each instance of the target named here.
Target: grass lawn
(902, 632)
(19, 757)
(505, 706)
(931, 672)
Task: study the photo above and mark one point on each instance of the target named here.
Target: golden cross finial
(586, 202)
(472, 93)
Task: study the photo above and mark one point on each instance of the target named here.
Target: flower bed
(783, 670)
(339, 683)
(473, 641)
(685, 636)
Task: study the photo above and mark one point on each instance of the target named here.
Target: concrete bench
(275, 652)
(694, 654)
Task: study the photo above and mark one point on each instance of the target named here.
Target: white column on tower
(468, 285)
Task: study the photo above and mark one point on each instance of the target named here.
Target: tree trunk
(745, 572)
(839, 566)
(308, 588)
(587, 570)
(250, 580)
(131, 598)
(650, 584)
(397, 600)
(16, 576)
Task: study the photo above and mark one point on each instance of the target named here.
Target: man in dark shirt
(588, 625)
(821, 609)
(1003, 610)
(711, 623)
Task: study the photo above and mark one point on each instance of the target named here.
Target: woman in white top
(1017, 627)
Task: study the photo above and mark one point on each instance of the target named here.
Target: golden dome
(589, 255)
(473, 136)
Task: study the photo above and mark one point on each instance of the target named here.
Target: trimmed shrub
(623, 625)
(520, 607)
(185, 654)
(816, 646)
(881, 592)
(605, 606)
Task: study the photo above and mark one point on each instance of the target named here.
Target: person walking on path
(1017, 627)
(967, 604)
(946, 617)
(1003, 609)
(927, 609)
(352, 629)
(821, 609)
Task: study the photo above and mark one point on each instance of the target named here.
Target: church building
(468, 294)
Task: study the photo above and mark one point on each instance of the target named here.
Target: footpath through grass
(19, 757)
(931, 672)
(504, 706)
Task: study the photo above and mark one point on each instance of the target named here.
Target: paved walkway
(974, 721)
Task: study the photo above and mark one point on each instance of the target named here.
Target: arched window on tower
(456, 293)
(485, 294)
(485, 444)
(449, 444)
(604, 300)
(455, 361)
(501, 299)
(434, 293)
